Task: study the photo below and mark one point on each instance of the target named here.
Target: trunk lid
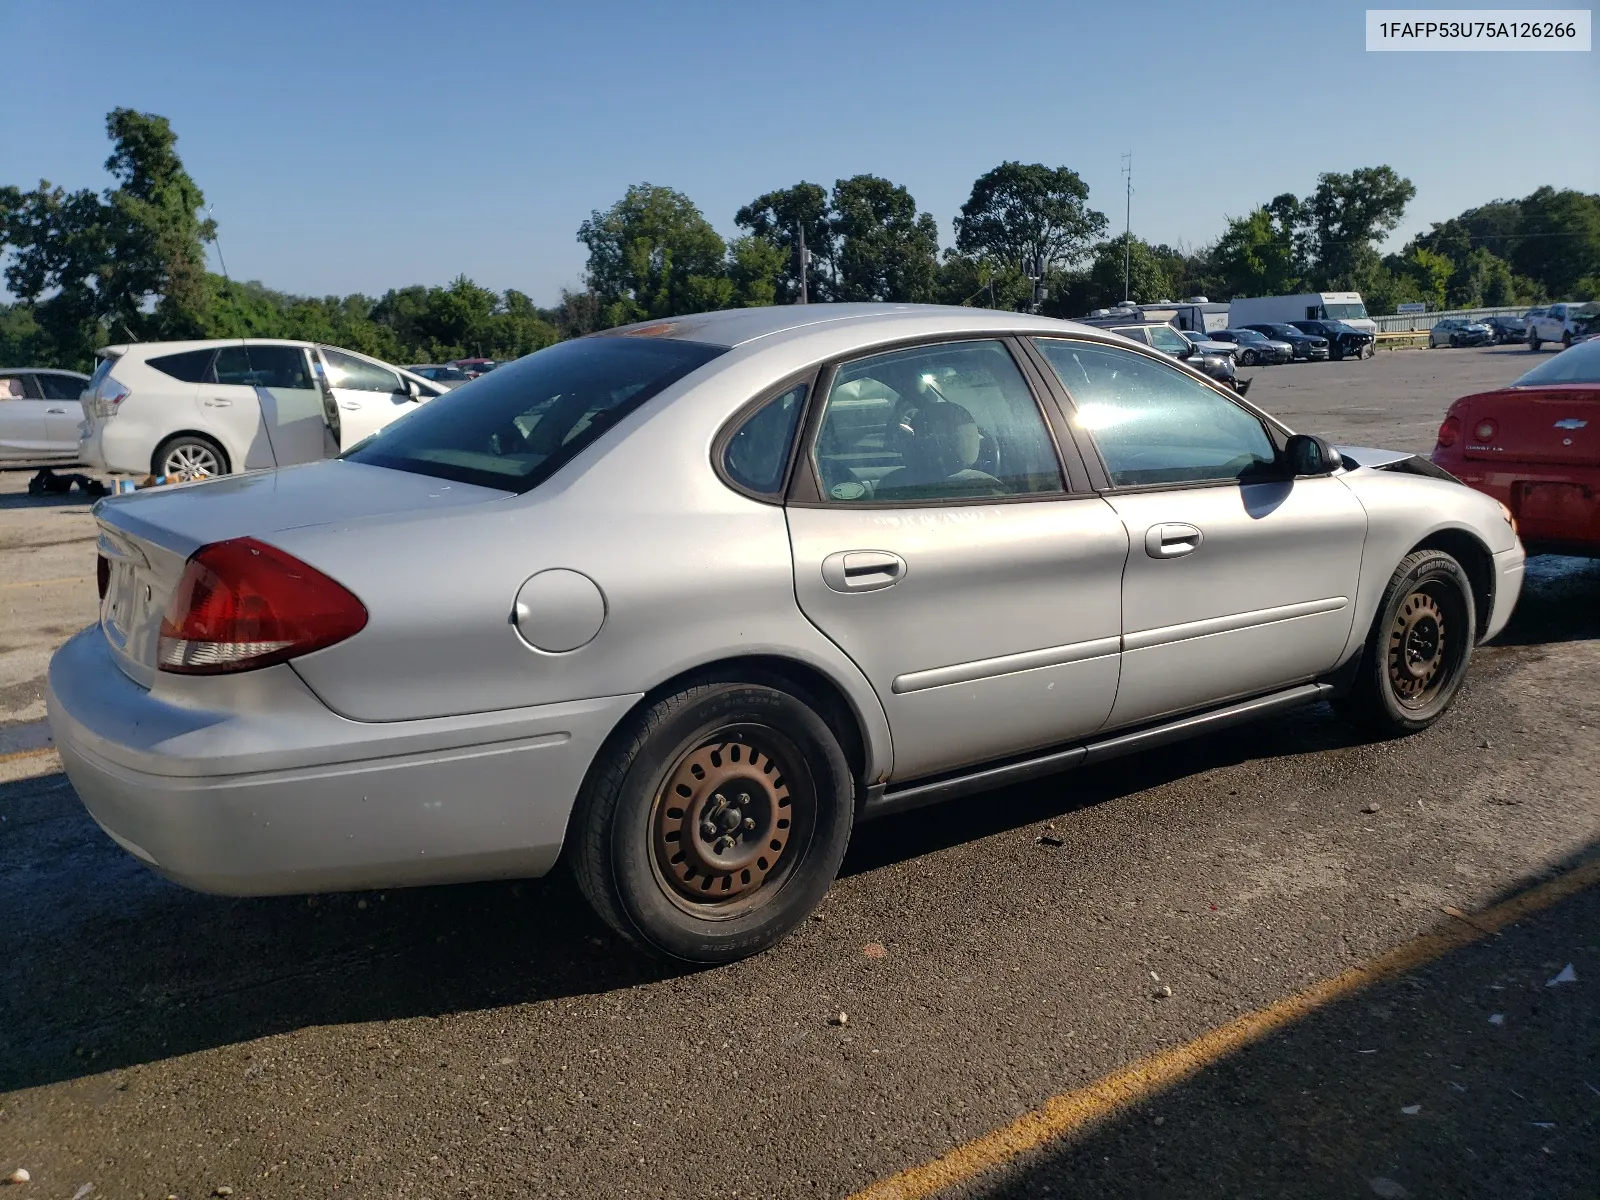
(1559, 425)
(148, 536)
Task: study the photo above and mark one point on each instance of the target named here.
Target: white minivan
(191, 409)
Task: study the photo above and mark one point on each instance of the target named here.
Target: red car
(1535, 447)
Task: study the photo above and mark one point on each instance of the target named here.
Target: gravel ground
(491, 1040)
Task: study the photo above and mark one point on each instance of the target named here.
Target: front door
(943, 554)
(366, 395)
(1239, 580)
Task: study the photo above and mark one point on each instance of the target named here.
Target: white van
(1312, 306)
(191, 409)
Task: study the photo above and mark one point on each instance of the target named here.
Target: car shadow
(1471, 1075)
(108, 965)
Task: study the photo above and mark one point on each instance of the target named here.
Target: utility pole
(1127, 226)
(805, 261)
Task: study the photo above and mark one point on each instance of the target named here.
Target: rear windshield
(1581, 364)
(516, 426)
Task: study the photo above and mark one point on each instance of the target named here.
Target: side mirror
(1306, 454)
(411, 387)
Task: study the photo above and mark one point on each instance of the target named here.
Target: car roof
(41, 371)
(739, 326)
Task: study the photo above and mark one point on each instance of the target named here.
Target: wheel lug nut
(748, 823)
(708, 830)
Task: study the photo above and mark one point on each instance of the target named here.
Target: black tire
(1397, 690)
(1566, 340)
(1455, 342)
(1336, 353)
(190, 448)
(626, 829)
(1247, 358)
(1533, 343)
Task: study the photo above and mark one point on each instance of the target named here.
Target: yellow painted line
(46, 582)
(1070, 1112)
(19, 754)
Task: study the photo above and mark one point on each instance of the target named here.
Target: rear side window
(60, 387)
(261, 366)
(758, 452)
(189, 367)
(516, 426)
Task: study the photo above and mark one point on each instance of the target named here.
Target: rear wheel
(189, 456)
(1533, 341)
(1418, 649)
(1247, 358)
(714, 822)
(1336, 353)
(1566, 340)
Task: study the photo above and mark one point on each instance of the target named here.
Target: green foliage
(757, 269)
(776, 218)
(1347, 214)
(653, 254)
(1020, 215)
(1256, 256)
(886, 249)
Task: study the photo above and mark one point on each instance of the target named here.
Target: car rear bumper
(107, 446)
(285, 798)
(1557, 505)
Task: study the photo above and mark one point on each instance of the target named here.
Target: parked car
(443, 374)
(39, 414)
(684, 601)
(1457, 332)
(1558, 323)
(1535, 447)
(1344, 341)
(1507, 329)
(1254, 347)
(1165, 338)
(1307, 347)
(473, 367)
(190, 409)
(1203, 343)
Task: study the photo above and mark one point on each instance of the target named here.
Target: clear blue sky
(362, 146)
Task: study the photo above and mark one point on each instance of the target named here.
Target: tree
(653, 254)
(776, 218)
(757, 269)
(886, 249)
(1018, 216)
(1347, 214)
(1256, 256)
(1558, 241)
(1101, 286)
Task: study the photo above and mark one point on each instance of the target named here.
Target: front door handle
(862, 570)
(219, 403)
(351, 405)
(1172, 540)
(55, 412)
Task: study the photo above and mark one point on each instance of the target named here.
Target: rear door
(1239, 580)
(937, 543)
(22, 422)
(62, 411)
(280, 382)
(366, 394)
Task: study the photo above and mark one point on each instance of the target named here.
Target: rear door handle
(219, 403)
(862, 570)
(1172, 540)
(56, 412)
(352, 405)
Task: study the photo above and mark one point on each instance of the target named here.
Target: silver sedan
(683, 602)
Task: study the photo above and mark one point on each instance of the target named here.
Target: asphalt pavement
(492, 1040)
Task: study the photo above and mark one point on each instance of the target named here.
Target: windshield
(1286, 331)
(1581, 364)
(513, 429)
(1248, 335)
(1342, 312)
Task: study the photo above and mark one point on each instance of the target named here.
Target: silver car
(682, 602)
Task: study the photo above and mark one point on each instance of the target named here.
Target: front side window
(357, 374)
(261, 366)
(516, 426)
(1153, 424)
(948, 422)
(757, 454)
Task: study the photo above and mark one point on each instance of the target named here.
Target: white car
(192, 409)
(39, 414)
(1558, 323)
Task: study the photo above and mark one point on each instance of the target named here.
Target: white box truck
(1313, 306)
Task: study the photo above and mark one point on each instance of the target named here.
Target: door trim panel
(1168, 634)
(1006, 664)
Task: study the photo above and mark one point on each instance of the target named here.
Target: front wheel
(1247, 358)
(1566, 341)
(714, 821)
(1533, 342)
(1417, 652)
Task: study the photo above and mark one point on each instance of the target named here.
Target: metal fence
(1422, 322)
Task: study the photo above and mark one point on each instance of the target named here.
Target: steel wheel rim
(730, 821)
(1420, 643)
(191, 460)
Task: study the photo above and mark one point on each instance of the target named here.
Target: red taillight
(242, 604)
(102, 574)
(1484, 430)
(1449, 431)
